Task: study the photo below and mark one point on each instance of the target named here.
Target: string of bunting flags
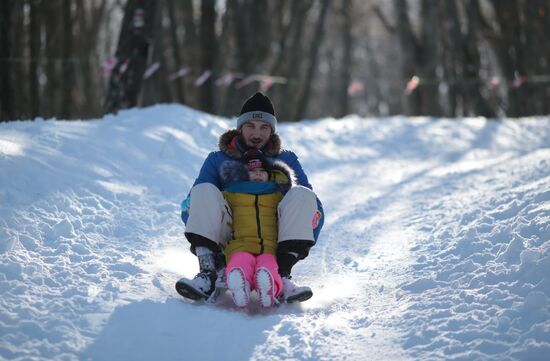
(225, 79)
(493, 82)
(355, 87)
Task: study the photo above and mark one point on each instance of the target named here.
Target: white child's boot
(265, 286)
(239, 287)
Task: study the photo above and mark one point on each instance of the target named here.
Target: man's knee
(208, 214)
(204, 190)
(301, 194)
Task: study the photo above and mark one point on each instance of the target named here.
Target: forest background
(77, 59)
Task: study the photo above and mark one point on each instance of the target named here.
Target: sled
(190, 293)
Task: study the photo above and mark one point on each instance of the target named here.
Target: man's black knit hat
(258, 107)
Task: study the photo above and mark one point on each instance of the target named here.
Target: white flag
(179, 74)
(225, 79)
(203, 78)
(245, 81)
(108, 65)
(151, 70)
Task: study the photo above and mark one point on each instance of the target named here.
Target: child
(255, 188)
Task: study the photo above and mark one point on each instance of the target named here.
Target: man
(208, 217)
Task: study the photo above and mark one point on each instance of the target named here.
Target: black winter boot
(291, 292)
(203, 285)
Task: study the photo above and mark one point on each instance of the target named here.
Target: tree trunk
(293, 57)
(509, 51)
(6, 100)
(346, 66)
(475, 101)
(34, 85)
(88, 92)
(410, 50)
(179, 85)
(226, 100)
(313, 60)
(190, 44)
(375, 94)
(208, 52)
(452, 58)
(67, 64)
(155, 89)
(18, 72)
(536, 55)
(132, 53)
(283, 31)
(259, 44)
(428, 59)
(253, 42)
(52, 55)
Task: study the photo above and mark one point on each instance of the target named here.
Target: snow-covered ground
(436, 244)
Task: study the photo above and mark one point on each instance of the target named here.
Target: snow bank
(436, 242)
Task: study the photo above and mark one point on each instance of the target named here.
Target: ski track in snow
(435, 247)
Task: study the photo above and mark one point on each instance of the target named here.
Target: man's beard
(253, 142)
(256, 141)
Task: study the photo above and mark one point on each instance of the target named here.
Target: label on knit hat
(254, 164)
(257, 115)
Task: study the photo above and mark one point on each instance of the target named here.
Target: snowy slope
(435, 247)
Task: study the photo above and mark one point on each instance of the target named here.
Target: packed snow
(436, 243)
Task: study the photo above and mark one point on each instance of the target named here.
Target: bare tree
(6, 92)
(208, 51)
(507, 45)
(190, 44)
(132, 53)
(53, 57)
(34, 85)
(69, 63)
(88, 89)
(536, 44)
(313, 59)
(176, 48)
(291, 62)
(155, 88)
(428, 55)
(346, 66)
(410, 53)
(474, 101)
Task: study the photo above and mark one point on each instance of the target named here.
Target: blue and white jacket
(232, 148)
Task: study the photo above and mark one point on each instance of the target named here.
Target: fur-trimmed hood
(227, 144)
(237, 171)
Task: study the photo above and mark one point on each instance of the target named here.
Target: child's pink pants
(250, 264)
